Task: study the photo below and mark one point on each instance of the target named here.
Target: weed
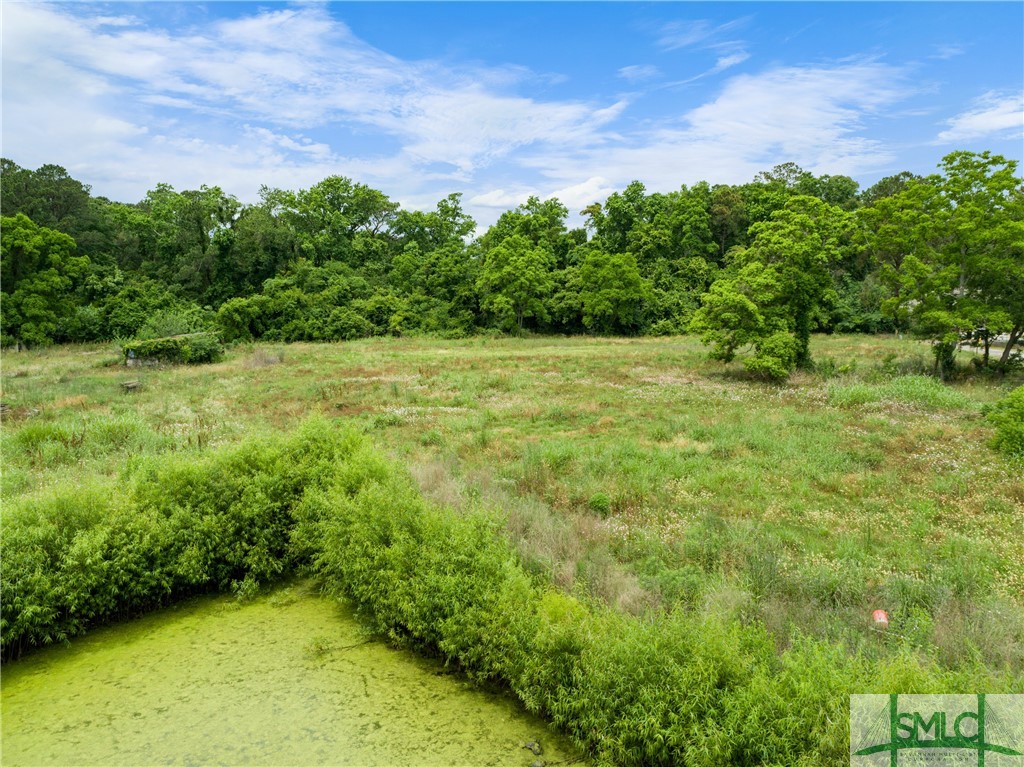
(600, 503)
(262, 357)
(318, 646)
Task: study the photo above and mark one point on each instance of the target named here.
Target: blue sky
(503, 100)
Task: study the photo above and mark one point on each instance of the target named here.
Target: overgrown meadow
(665, 556)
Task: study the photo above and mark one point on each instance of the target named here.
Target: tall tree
(958, 270)
(515, 281)
(327, 218)
(38, 272)
(540, 222)
(770, 295)
(192, 233)
(612, 292)
(728, 219)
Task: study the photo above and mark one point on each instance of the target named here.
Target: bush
(1007, 416)
(775, 357)
(343, 324)
(74, 557)
(193, 348)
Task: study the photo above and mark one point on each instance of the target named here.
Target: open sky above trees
(503, 101)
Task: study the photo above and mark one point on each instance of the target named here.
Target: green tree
(515, 281)
(728, 219)
(328, 217)
(951, 249)
(887, 187)
(48, 196)
(540, 222)
(39, 270)
(261, 246)
(986, 243)
(772, 291)
(622, 211)
(192, 237)
(130, 303)
(447, 224)
(53, 199)
(612, 292)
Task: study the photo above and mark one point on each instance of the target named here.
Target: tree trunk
(802, 332)
(1015, 336)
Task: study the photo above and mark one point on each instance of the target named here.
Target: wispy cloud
(500, 198)
(703, 35)
(992, 113)
(574, 196)
(684, 34)
(949, 51)
(730, 60)
(637, 72)
(813, 116)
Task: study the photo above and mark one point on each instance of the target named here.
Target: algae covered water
(287, 679)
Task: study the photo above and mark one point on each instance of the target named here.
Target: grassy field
(633, 472)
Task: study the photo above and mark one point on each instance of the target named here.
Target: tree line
(753, 268)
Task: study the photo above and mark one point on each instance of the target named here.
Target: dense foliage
(189, 348)
(1007, 416)
(79, 556)
(668, 689)
(756, 267)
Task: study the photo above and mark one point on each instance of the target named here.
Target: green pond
(287, 679)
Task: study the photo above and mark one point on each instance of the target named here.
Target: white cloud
(578, 196)
(290, 96)
(702, 35)
(991, 114)
(813, 116)
(499, 198)
(949, 51)
(469, 127)
(261, 79)
(637, 72)
(684, 34)
(725, 62)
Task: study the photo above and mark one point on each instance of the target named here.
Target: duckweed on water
(213, 681)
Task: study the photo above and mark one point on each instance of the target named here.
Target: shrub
(1007, 416)
(600, 503)
(193, 348)
(343, 324)
(74, 557)
(775, 357)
